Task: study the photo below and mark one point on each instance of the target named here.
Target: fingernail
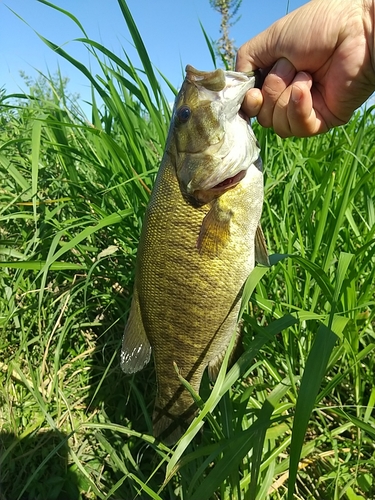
(282, 68)
(296, 94)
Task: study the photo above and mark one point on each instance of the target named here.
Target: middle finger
(275, 83)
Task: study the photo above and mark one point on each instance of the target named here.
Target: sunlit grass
(299, 403)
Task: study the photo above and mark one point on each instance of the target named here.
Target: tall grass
(294, 418)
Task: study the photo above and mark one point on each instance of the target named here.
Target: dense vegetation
(297, 408)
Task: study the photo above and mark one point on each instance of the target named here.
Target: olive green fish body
(194, 256)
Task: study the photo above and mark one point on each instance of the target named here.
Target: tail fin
(168, 426)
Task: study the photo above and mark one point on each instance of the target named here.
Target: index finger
(244, 62)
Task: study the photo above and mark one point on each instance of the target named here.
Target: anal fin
(136, 348)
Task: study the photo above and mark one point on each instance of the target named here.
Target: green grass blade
(15, 173)
(141, 49)
(65, 12)
(35, 145)
(210, 45)
(240, 445)
(315, 369)
(39, 265)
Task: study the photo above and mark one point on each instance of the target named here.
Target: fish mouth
(207, 195)
(216, 79)
(230, 182)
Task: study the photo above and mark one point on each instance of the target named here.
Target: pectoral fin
(261, 252)
(136, 349)
(215, 229)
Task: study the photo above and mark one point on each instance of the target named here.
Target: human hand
(320, 67)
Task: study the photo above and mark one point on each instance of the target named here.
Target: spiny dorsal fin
(260, 248)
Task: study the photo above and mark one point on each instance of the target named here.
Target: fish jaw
(203, 196)
(216, 145)
(207, 176)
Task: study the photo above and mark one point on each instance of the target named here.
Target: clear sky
(170, 30)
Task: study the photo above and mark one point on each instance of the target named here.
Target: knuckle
(241, 53)
(272, 88)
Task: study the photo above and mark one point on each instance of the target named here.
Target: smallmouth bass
(198, 244)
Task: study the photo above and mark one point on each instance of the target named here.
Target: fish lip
(198, 75)
(217, 79)
(211, 80)
(207, 195)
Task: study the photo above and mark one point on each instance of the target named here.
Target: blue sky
(170, 30)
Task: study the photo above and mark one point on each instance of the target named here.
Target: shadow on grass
(123, 399)
(36, 468)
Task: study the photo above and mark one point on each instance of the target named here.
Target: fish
(199, 239)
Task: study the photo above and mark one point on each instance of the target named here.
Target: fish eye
(183, 114)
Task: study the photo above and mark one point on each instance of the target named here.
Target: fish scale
(194, 255)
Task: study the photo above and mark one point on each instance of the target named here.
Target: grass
(293, 419)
